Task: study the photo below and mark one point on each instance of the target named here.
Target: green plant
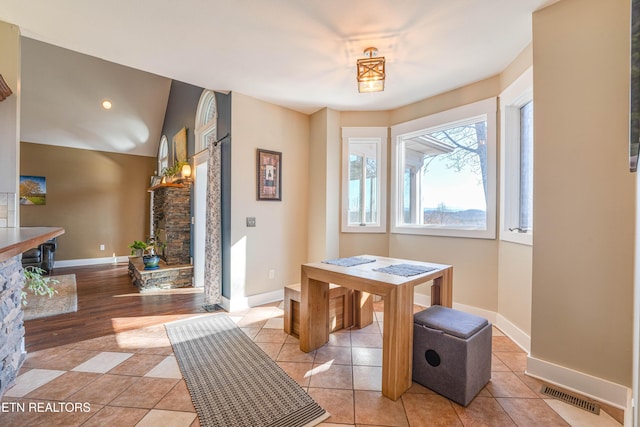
(175, 169)
(37, 284)
(138, 245)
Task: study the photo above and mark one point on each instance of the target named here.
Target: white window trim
(163, 160)
(519, 93)
(379, 133)
(204, 129)
(488, 107)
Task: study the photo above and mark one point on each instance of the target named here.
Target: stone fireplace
(172, 227)
(172, 222)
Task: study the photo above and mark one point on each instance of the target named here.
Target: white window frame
(206, 129)
(518, 94)
(163, 155)
(378, 135)
(488, 108)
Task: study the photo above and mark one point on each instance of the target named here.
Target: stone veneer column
(213, 242)
(11, 321)
(172, 213)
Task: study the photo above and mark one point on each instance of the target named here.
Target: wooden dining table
(397, 293)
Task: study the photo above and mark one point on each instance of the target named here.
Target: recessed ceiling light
(106, 104)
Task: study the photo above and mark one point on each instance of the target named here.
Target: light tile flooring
(132, 378)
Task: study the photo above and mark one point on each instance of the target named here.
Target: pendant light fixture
(371, 72)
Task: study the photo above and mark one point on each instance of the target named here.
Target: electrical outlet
(251, 221)
(102, 247)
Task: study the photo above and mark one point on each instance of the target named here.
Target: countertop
(14, 241)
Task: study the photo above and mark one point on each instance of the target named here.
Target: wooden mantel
(14, 241)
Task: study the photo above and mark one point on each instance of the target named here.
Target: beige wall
(97, 197)
(514, 285)
(9, 108)
(279, 240)
(324, 185)
(584, 195)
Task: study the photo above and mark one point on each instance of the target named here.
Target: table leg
(363, 313)
(442, 289)
(314, 312)
(397, 342)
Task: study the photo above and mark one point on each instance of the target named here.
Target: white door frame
(199, 216)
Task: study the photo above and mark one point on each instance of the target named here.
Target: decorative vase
(151, 262)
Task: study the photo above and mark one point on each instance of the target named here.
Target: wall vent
(571, 399)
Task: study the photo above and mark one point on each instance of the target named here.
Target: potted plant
(37, 284)
(172, 173)
(137, 248)
(150, 258)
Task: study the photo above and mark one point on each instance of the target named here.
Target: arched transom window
(206, 120)
(163, 154)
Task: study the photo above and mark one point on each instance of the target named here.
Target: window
(517, 160)
(444, 173)
(364, 160)
(206, 120)
(163, 155)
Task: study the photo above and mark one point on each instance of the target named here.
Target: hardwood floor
(108, 303)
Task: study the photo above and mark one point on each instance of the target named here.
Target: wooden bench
(347, 308)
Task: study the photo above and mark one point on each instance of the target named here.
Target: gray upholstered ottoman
(451, 352)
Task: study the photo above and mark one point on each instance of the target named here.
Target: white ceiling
(299, 54)
(61, 95)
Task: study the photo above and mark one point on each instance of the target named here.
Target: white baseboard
(579, 382)
(487, 314)
(90, 261)
(516, 334)
(242, 303)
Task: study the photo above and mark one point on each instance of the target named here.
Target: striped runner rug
(232, 382)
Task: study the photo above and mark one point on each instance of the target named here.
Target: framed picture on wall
(33, 190)
(269, 175)
(179, 144)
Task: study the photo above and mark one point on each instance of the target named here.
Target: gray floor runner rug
(234, 383)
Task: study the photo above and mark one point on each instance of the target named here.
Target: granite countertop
(14, 241)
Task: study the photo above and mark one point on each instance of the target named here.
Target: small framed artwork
(33, 190)
(179, 144)
(269, 175)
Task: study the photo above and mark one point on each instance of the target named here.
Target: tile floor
(132, 379)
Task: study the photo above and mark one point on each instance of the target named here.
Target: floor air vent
(571, 399)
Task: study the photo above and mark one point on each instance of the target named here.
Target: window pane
(363, 182)
(371, 190)
(355, 183)
(445, 177)
(526, 166)
(363, 179)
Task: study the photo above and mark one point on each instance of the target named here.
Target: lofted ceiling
(299, 54)
(62, 92)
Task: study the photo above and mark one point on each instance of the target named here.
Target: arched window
(163, 154)
(206, 131)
